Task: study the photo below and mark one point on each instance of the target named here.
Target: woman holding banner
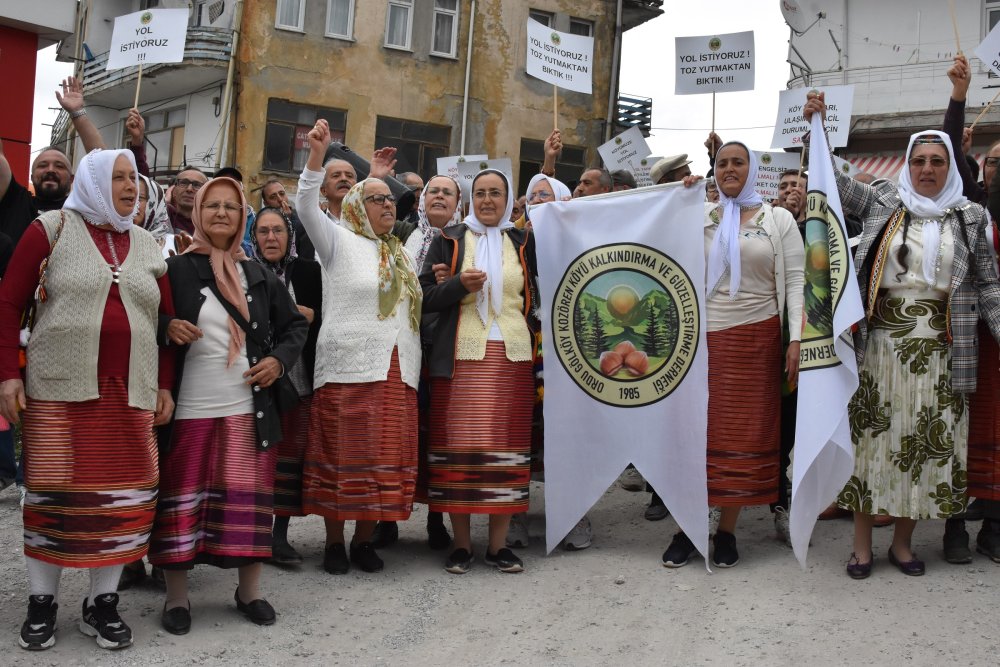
(755, 272)
(924, 268)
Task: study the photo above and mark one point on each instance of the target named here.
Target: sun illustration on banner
(146, 18)
(715, 44)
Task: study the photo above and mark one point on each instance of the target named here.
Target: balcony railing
(634, 112)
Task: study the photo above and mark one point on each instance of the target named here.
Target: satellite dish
(801, 15)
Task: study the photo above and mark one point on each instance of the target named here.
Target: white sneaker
(631, 480)
(714, 514)
(517, 534)
(578, 538)
(781, 525)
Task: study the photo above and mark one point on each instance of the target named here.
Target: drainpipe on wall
(225, 125)
(468, 72)
(615, 58)
(845, 63)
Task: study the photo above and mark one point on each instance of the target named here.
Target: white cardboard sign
(770, 167)
(561, 58)
(989, 50)
(150, 36)
(640, 170)
(467, 171)
(623, 151)
(448, 166)
(790, 128)
(714, 63)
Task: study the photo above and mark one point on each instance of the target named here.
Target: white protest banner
(150, 36)
(624, 150)
(563, 59)
(714, 63)
(828, 372)
(467, 171)
(641, 169)
(790, 127)
(988, 50)
(770, 167)
(622, 283)
(448, 166)
(845, 167)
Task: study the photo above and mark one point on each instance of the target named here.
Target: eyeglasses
(230, 207)
(991, 161)
(541, 195)
(264, 232)
(188, 183)
(492, 194)
(920, 162)
(380, 200)
(440, 191)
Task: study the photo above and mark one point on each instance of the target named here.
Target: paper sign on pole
(560, 58)
(989, 50)
(714, 63)
(448, 166)
(151, 36)
(641, 169)
(623, 151)
(790, 127)
(770, 167)
(845, 167)
(467, 171)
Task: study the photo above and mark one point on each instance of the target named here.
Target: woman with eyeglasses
(361, 462)
(481, 371)
(927, 278)
(236, 331)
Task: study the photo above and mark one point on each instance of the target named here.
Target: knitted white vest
(65, 341)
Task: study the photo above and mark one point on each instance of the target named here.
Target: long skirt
(744, 414)
(910, 431)
(480, 447)
(91, 473)
(216, 496)
(984, 422)
(296, 429)
(361, 462)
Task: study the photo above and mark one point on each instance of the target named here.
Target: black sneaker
(102, 622)
(335, 559)
(386, 534)
(679, 552)
(438, 538)
(39, 630)
(988, 540)
(282, 553)
(504, 560)
(363, 555)
(259, 611)
(956, 542)
(725, 554)
(459, 562)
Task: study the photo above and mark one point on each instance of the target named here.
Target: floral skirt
(910, 431)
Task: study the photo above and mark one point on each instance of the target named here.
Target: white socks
(43, 579)
(104, 580)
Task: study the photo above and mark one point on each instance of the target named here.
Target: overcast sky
(681, 123)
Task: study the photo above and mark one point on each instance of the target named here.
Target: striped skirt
(744, 414)
(361, 461)
(984, 422)
(90, 469)
(216, 496)
(291, 455)
(480, 445)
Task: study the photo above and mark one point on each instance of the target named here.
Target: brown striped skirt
(291, 454)
(744, 414)
(480, 440)
(361, 461)
(90, 469)
(984, 422)
(216, 496)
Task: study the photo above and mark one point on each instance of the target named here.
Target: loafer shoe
(259, 611)
(912, 568)
(859, 570)
(504, 560)
(459, 562)
(176, 621)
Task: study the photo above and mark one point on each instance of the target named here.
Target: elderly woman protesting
(361, 462)
(92, 363)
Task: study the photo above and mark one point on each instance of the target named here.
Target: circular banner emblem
(146, 18)
(626, 324)
(556, 39)
(715, 44)
(765, 158)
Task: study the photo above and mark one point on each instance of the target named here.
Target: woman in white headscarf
(481, 371)
(93, 361)
(755, 276)
(927, 278)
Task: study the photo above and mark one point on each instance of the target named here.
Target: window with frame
(569, 165)
(445, 39)
(286, 140)
(340, 19)
(399, 24)
(164, 139)
(545, 18)
(418, 145)
(290, 15)
(581, 27)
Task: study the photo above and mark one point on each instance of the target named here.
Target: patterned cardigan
(971, 284)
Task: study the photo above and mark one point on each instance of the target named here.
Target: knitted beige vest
(64, 343)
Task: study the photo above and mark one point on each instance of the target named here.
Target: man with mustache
(185, 186)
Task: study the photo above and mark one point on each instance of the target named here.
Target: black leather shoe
(176, 621)
(363, 555)
(438, 538)
(912, 568)
(386, 534)
(282, 553)
(259, 611)
(335, 559)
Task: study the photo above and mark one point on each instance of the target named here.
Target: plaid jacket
(973, 280)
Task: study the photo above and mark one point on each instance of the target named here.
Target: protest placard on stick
(714, 63)
(148, 37)
(624, 150)
(789, 128)
(770, 166)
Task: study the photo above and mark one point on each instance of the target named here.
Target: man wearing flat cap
(622, 180)
(670, 169)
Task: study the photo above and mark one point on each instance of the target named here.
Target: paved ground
(565, 609)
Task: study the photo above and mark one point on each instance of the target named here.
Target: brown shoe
(882, 520)
(834, 512)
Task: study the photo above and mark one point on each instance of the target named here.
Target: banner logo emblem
(146, 18)
(826, 276)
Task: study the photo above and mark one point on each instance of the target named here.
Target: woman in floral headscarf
(361, 462)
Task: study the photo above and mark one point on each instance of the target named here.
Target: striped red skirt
(744, 414)
(480, 440)
(984, 422)
(90, 469)
(291, 455)
(216, 496)
(361, 461)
